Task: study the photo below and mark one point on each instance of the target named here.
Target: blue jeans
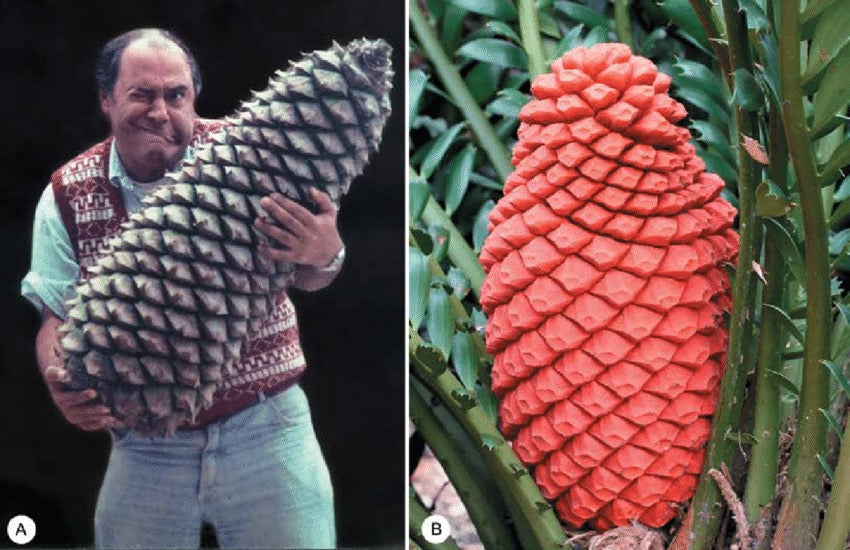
(258, 477)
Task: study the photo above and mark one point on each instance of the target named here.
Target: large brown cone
(166, 313)
(605, 292)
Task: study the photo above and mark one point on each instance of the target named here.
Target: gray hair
(109, 60)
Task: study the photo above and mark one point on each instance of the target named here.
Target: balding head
(109, 60)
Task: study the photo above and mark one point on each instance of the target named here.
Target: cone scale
(605, 292)
(164, 316)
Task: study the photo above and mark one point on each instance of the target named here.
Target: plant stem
(417, 515)
(835, 527)
(499, 156)
(623, 23)
(714, 29)
(459, 252)
(480, 497)
(798, 518)
(762, 469)
(707, 505)
(529, 30)
(533, 515)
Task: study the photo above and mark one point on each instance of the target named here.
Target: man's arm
(310, 240)
(80, 408)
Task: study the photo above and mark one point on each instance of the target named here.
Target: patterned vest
(92, 211)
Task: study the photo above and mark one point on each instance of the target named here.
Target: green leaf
(832, 95)
(691, 74)
(548, 24)
(483, 81)
(419, 194)
(431, 357)
(829, 37)
(747, 94)
(657, 37)
(499, 9)
(465, 360)
(485, 182)
(440, 236)
(440, 321)
(508, 103)
(771, 201)
(826, 467)
(713, 137)
(597, 35)
(502, 28)
(458, 179)
(488, 403)
(785, 383)
(683, 15)
(416, 87)
(833, 423)
(479, 227)
(836, 373)
(423, 241)
(838, 242)
(703, 101)
(418, 286)
(812, 13)
(479, 320)
(438, 151)
(583, 14)
(756, 18)
(495, 51)
(790, 251)
(785, 319)
(570, 40)
(458, 282)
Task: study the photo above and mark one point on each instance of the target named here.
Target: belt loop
(261, 396)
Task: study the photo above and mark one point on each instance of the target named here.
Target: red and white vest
(92, 211)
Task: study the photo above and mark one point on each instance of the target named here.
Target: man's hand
(80, 408)
(301, 237)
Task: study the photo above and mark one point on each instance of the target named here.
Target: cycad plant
(766, 90)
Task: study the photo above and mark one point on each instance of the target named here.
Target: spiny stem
(482, 129)
(798, 518)
(706, 503)
(458, 461)
(529, 30)
(623, 23)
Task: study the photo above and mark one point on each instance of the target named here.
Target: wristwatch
(336, 263)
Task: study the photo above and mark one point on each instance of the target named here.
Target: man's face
(152, 108)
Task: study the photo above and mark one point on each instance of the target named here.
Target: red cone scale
(605, 291)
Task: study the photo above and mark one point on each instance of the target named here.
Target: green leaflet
(457, 182)
(439, 320)
(418, 285)
(499, 9)
(495, 51)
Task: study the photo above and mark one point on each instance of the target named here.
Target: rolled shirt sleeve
(53, 267)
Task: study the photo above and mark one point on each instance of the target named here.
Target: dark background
(352, 332)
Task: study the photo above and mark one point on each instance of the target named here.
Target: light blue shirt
(54, 269)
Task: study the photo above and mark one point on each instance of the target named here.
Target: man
(250, 465)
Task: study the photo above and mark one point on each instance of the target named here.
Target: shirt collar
(118, 175)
